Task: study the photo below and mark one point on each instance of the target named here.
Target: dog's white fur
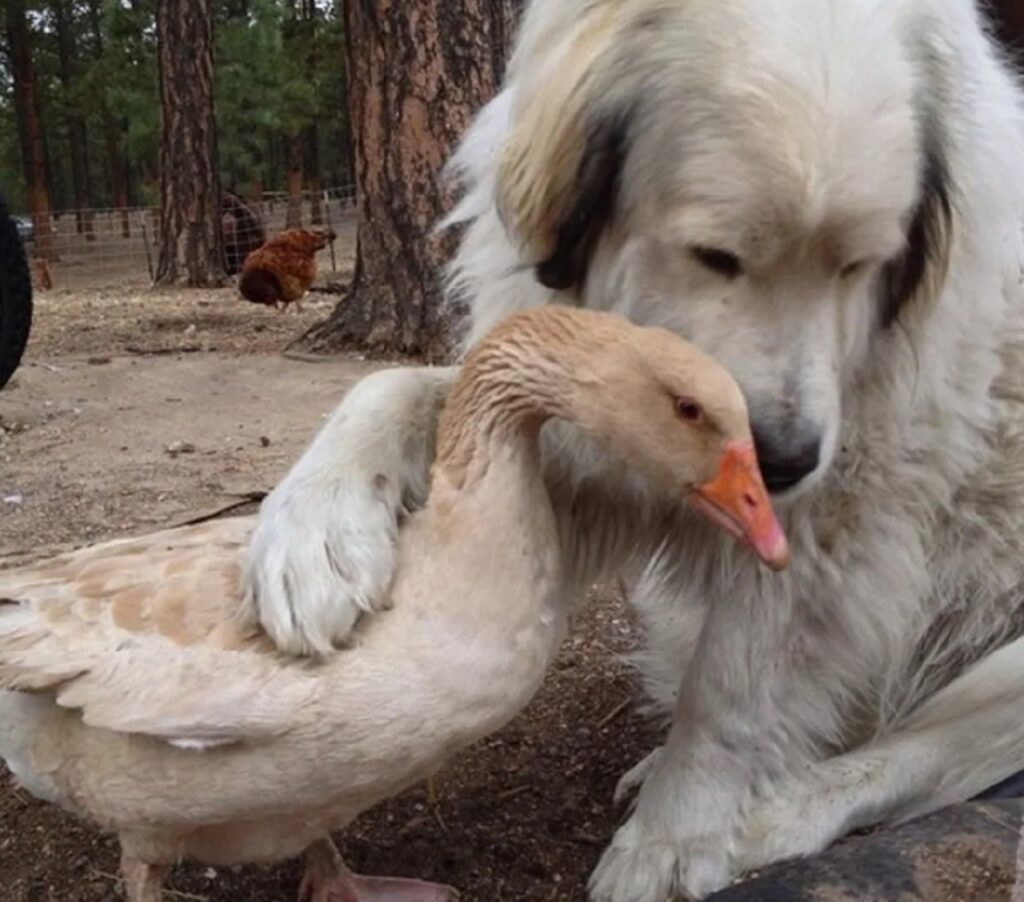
(816, 140)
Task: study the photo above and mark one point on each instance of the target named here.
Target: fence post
(145, 241)
(330, 228)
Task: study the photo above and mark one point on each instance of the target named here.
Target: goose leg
(142, 882)
(327, 879)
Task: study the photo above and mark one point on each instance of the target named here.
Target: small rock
(176, 448)
(264, 441)
(15, 498)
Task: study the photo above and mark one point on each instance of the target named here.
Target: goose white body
(228, 752)
(136, 689)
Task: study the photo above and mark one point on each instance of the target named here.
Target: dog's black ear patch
(928, 239)
(596, 193)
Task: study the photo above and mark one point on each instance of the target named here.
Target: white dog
(827, 195)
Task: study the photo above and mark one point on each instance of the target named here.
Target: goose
(134, 695)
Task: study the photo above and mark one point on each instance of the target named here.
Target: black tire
(15, 297)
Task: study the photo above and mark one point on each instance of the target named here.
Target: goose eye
(689, 410)
(718, 261)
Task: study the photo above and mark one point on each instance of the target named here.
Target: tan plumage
(140, 696)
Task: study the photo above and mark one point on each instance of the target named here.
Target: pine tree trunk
(293, 216)
(118, 173)
(77, 142)
(311, 135)
(417, 72)
(190, 218)
(116, 170)
(30, 128)
(314, 184)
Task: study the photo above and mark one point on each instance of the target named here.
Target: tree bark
(314, 184)
(417, 72)
(311, 134)
(64, 21)
(293, 216)
(190, 218)
(30, 128)
(116, 170)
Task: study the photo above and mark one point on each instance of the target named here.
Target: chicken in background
(281, 271)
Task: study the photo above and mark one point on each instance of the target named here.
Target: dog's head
(768, 178)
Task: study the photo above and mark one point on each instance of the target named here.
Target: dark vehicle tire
(15, 297)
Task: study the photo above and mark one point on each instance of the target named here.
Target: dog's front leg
(323, 551)
(726, 739)
(964, 740)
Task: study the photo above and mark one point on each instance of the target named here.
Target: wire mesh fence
(95, 249)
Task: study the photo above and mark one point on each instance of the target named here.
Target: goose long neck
(510, 384)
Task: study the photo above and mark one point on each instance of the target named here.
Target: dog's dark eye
(721, 262)
(852, 269)
(689, 410)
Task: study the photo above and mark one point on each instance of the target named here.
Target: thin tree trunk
(111, 133)
(311, 154)
(63, 18)
(21, 121)
(314, 184)
(190, 218)
(30, 129)
(348, 161)
(293, 217)
(417, 72)
(118, 172)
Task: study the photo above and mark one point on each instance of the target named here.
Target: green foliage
(279, 70)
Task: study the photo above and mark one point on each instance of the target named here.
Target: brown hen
(280, 272)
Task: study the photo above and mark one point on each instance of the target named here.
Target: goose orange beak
(737, 501)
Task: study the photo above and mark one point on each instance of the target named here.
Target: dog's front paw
(639, 866)
(321, 556)
(634, 868)
(633, 779)
(805, 814)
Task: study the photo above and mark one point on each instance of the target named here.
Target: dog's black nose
(785, 463)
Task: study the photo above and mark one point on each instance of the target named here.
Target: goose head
(679, 417)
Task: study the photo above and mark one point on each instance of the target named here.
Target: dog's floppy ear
(578, 225)
(922, 266)
(559, 172)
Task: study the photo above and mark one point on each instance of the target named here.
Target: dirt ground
(135, 410)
